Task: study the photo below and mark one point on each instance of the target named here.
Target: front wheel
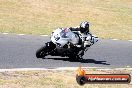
(42, 52)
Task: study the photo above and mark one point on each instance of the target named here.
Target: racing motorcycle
(67, 43)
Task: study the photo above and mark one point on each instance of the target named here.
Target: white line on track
(21, 34)
(48, 35)
(114, 39)
(5, 33)
(43, 35)
(130, 40)
(61, 69)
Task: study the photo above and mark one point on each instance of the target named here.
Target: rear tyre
(41, 53)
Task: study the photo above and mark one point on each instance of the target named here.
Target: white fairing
(63, 36)
(88, 39)
(95, 38)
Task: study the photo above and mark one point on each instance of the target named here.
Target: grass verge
(53, 79)
(108, 18)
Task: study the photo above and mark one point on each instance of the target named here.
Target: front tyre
(40, 53)
(45, 50)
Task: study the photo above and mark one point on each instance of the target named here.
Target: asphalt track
(19, 52)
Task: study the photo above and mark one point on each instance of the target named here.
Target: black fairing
(65, 51)
(55, 50)
(50, 46)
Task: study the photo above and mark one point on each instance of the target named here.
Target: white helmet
(84, 27)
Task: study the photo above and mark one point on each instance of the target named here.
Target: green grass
(108, 18)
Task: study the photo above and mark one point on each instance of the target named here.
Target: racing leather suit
(81, 41)
(85, 33)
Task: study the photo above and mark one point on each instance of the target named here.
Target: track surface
(19, 52)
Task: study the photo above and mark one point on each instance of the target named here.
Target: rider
(83, 28)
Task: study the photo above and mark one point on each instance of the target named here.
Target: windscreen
(65, 33)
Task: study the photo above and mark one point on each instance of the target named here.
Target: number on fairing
(56, 37)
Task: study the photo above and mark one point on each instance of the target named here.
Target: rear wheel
(42, 52)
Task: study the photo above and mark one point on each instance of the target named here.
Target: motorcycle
(67, 43)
